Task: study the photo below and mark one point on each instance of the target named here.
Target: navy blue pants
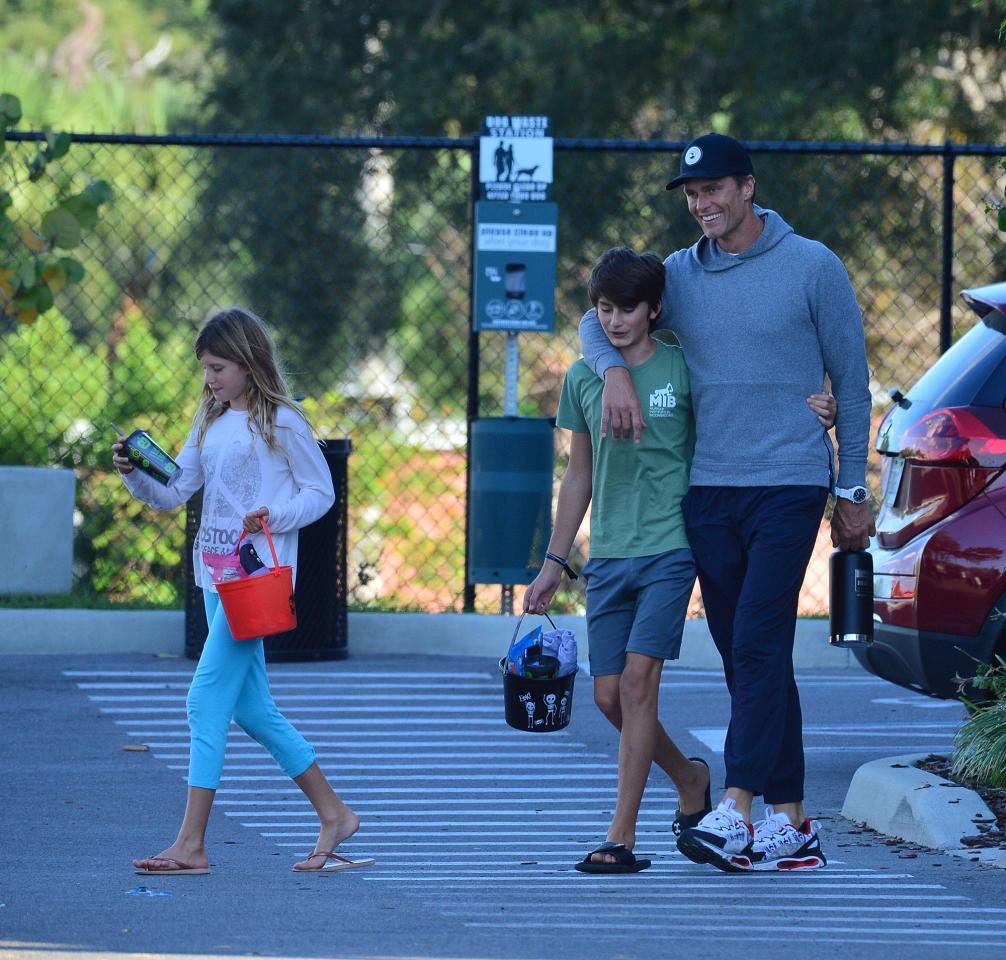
(751, 547)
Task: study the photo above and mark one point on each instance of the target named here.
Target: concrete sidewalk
(452, 634)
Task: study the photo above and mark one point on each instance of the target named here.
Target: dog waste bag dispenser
(510, 507)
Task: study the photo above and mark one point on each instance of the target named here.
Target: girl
(250, 444)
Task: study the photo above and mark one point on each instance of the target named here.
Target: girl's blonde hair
(236, 334)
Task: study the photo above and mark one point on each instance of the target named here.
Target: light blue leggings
(230, 682)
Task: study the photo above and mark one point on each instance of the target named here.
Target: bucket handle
(520, 620)
(272, 549)
(516, 629)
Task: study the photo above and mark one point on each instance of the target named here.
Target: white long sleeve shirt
(239, 473)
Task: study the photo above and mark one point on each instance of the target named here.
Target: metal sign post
(510, 375)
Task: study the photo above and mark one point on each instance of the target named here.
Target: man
(762, 314)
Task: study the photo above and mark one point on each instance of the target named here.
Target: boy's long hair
(627, 278)
(236, 334)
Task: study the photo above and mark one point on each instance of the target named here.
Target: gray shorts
(637, 605)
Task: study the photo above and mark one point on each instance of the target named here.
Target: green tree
(631, 69)
(33, 268)
(300, 232)
(109, 65)
(52, 386)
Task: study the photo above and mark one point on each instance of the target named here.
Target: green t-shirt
(636, 488)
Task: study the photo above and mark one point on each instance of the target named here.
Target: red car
(939, 557)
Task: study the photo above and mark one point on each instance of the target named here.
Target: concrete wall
(36, 513)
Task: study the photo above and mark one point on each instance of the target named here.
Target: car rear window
(971, 372)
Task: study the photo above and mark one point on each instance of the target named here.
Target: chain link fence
(357, 253)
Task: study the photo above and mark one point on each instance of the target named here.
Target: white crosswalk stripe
(475, 819)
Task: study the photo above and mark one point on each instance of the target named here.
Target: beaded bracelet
(567, 569)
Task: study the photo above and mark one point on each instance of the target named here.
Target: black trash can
(322, 631)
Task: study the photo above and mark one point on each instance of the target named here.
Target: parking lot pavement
(475, 826)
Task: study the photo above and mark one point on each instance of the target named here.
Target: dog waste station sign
(511, 457)
(515, 228)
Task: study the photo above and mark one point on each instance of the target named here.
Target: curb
(895, 798)
(162, 632)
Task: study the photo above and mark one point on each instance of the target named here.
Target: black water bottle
(851, 608)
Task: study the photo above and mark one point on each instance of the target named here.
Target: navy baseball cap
(710, 157)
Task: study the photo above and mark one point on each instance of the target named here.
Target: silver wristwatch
(855, 494)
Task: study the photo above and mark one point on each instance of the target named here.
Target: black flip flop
(682, 821)
(625, 860)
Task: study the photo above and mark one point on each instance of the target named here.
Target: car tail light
(893, 586)
(946, 458)
(955, 435)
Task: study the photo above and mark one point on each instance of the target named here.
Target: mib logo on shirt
(663, 401)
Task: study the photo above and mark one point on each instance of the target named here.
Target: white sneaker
(778, 845)
(722, 837)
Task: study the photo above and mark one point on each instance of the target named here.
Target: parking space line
(479, 831)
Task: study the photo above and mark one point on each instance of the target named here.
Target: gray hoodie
(759, 331)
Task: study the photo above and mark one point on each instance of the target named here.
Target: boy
(640, 573)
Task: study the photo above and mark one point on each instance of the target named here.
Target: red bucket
(261, 605)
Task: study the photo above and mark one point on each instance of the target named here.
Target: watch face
(858, 494)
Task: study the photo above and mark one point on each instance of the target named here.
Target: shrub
(980, 743)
